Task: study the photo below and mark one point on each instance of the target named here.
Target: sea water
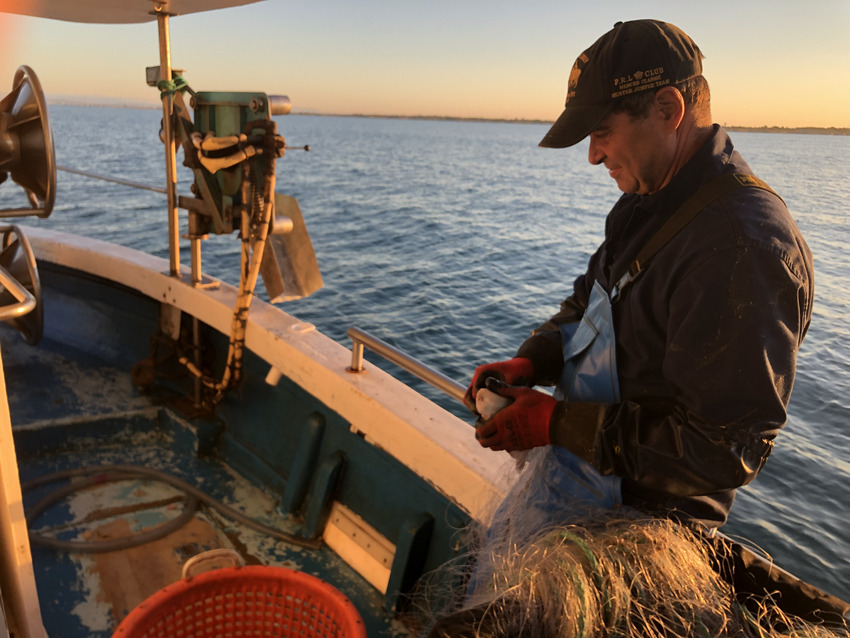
(452, 240)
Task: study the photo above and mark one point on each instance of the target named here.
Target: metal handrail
(26, 302)
(361, 339)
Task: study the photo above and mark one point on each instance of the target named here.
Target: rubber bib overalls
(558, 487)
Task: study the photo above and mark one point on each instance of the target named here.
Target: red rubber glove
(521, 425)
(516, 371)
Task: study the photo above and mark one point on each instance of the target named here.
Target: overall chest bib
(590, 354)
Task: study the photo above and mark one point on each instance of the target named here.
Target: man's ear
(671, 105)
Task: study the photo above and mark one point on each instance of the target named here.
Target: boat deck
(69, 411)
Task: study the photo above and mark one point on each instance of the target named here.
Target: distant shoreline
(805, 130)
(796, 131)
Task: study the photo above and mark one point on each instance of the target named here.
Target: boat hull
(354, 461)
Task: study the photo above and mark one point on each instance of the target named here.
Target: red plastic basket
(245, 601)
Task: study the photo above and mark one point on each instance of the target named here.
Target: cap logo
(641, 80)
(572, 83)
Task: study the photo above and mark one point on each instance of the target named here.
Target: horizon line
(97, 102)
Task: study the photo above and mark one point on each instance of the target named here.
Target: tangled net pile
(608, 573)
(628, 577)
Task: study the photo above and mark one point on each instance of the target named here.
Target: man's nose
(594, 154)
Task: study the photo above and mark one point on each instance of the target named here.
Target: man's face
(638, 153)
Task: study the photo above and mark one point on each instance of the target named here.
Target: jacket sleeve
(735, 324)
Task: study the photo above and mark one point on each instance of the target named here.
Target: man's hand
(521, 425)
(516, 371)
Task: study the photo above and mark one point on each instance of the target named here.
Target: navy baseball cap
(634, 56)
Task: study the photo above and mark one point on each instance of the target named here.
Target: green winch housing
(230, 131)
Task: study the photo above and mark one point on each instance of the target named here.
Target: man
(674, 356)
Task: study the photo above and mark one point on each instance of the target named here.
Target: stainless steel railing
(23, 301)
(361, 340)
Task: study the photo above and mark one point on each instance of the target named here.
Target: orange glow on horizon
(500, 69)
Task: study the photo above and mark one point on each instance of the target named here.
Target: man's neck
(690, 138)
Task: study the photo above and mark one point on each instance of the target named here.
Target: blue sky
(774, 63)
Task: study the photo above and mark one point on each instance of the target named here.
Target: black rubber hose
(111, 545)
(113, 473)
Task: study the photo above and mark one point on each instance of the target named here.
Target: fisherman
(674, 357)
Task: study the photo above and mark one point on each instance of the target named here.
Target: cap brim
(575, 123)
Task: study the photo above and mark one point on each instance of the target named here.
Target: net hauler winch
(230, 142)
(28, 157)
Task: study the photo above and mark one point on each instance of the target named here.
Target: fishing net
(613, 573)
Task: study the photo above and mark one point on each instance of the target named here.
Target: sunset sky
(769, 63)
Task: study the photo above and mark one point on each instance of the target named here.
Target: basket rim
(174, 597)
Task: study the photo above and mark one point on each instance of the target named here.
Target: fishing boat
(160, 428)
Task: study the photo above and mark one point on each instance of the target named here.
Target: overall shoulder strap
(706, 194)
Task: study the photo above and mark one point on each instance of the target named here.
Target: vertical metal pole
(196, 234)
(356, 355)
(195, 253)
(196, 343)
(170, 148)
(194, 224)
